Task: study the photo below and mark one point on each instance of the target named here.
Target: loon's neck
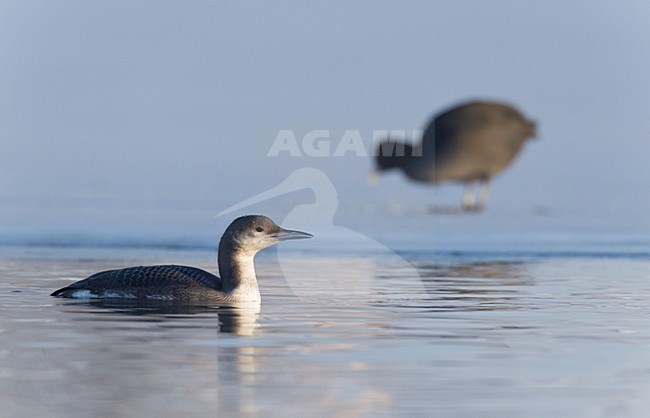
(237, 271)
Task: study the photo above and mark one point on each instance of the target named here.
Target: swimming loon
(240, 242)
(467, 143)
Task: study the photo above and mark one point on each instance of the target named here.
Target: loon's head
(253, 233)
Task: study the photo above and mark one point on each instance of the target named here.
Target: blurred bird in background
(469, 143)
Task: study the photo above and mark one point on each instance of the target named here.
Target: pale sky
(182, 100)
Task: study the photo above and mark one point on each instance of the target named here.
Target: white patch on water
(87, 294)
(120, 295)
(160, 297)
(84, 294)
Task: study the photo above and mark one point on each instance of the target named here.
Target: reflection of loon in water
(242, 240)
(363, 274)
(240, 319)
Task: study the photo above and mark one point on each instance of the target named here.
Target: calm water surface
(521, 332)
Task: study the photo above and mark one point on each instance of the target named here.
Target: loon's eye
(259, 229)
